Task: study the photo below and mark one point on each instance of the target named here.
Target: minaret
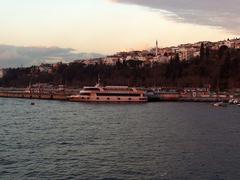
(156, 48)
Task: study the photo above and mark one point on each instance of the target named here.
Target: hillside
(218, 68)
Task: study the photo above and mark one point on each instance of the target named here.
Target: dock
(44, 95)
(62, 97)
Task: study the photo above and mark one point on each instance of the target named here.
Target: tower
(156, 48)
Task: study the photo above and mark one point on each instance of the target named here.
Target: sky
(34, 31)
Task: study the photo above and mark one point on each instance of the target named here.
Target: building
(229, 43)
(111, 60)
(186, 54)
(162, 59)
(2, 73)
(88, 62)
(47, 68)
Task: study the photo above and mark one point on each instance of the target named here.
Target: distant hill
(89, 55)
(216, 68)
(20, 56)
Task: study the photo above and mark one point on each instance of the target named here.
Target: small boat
(235, 101)
(32, 103)
(220, 104)
(238, 104)
(231, 101)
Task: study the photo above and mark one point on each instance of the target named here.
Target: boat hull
(108, 99)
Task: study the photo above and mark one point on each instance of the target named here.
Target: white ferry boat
(109, 94)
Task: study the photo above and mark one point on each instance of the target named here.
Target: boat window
(117, 89)
(85, 94)
(118, 94)
(91, 89)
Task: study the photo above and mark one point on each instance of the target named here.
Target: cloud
(16, 56)
(220, 13)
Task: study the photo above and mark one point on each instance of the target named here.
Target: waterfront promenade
(166, 96)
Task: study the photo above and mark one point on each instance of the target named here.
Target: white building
(90, 61)
(47, 68)
(111, 60)
(188, 53)
(161, 59)
(229, 43)
(2, 73)
(141, 58)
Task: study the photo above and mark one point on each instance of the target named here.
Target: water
(63, 140)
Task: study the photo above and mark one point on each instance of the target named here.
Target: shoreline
(165, 97)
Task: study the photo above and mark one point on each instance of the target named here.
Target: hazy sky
(107, 26)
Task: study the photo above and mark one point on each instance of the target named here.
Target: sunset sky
(106, 26)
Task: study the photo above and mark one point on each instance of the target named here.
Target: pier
(188, 98)
(44, 95)
(62, 97)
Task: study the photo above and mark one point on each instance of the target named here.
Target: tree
(202, 52)
(207, 52)
(222, 50)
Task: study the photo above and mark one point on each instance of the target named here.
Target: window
(118, 94)
(85, 94)
(91, 89)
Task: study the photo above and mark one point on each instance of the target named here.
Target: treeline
(218, 68)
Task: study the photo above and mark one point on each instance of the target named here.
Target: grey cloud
(221, 13)
(15, 56)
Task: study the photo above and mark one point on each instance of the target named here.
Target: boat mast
(99, 81)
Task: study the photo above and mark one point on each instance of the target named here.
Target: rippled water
(63, 140)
